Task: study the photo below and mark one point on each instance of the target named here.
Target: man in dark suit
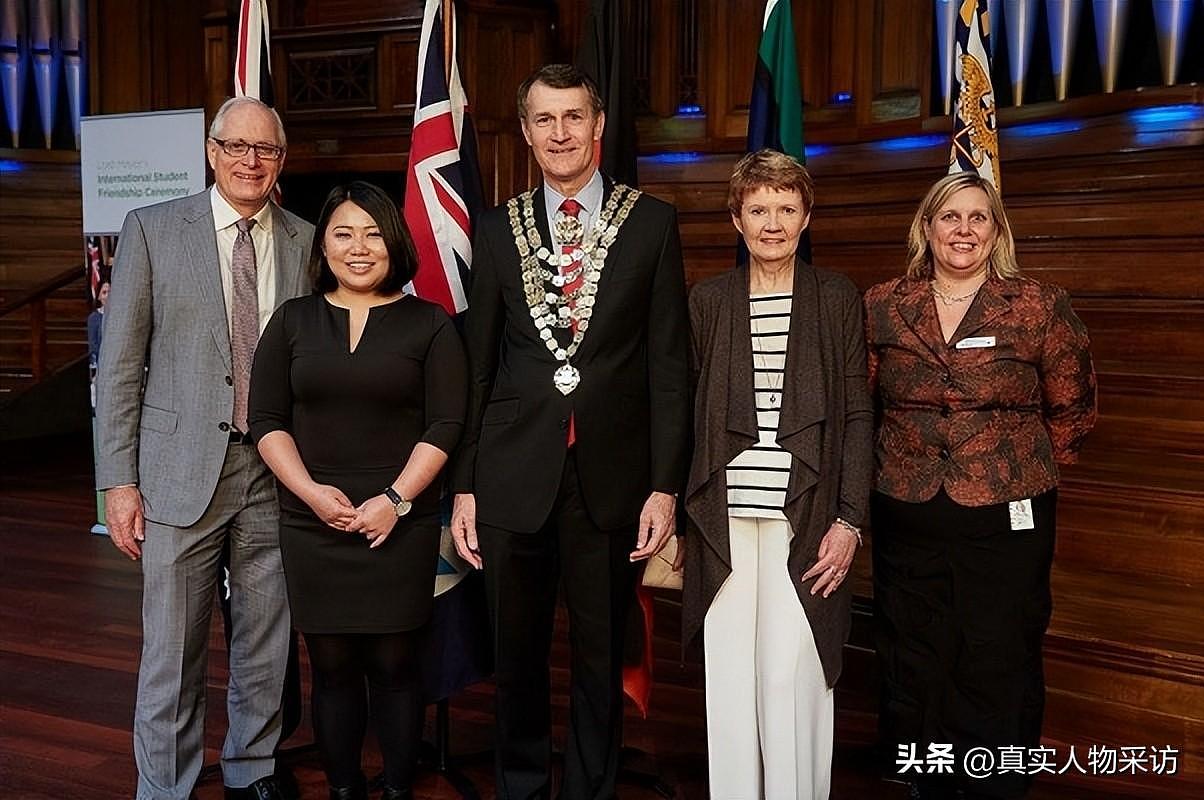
(195, 281)
(576, 439)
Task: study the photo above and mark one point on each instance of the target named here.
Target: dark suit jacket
(825, 425)
(631, 408)
(991, 423)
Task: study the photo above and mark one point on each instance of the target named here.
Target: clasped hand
(374, 518)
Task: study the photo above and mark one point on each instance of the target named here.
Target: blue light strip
(7, 165)
(1053, 128)
(911, 142)
(1166, 115)
(1148, 121)
(675, 158)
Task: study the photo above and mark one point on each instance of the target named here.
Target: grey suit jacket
(165, 428)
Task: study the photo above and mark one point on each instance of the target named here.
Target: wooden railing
(35, 298)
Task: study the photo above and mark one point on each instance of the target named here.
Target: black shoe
(357, 791)
(396, 794)
(263, 789)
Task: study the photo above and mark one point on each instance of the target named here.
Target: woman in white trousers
(778, 488)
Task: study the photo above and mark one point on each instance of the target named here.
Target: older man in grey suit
(194, 283)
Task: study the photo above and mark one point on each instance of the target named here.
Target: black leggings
(355, 672)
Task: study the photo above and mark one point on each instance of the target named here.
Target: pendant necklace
(759, 359)
(775, 390)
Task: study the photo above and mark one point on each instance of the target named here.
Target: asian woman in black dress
(357, 397)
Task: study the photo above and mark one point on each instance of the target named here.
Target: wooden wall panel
(1146, 337)
(842, 36)
(119, 76)
(734, 31)
(901, 59)
(1150, 532)
(148, 56)
(218, 54)
(42, 234)
(507, 46)
(499, 44)
(342, 13)
(399, 70)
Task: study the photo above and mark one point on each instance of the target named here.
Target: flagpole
(449, 23)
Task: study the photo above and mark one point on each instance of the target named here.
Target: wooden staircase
(44, 302)
(42, 331)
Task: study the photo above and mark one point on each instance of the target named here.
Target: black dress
(356, 417)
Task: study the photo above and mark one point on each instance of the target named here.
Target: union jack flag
(252, 59)
(92, 247)
(443, 180)
(443, 196)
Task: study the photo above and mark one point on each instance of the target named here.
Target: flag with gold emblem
(975, 128)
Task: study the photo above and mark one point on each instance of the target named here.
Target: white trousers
(769, 710)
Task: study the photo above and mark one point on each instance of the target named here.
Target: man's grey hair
(219, 119)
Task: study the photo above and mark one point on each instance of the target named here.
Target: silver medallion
(566, 378)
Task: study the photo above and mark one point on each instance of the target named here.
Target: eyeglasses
(238, 148)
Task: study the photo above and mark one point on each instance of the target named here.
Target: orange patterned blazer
(989, 414)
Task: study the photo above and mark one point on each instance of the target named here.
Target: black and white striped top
(758, 477)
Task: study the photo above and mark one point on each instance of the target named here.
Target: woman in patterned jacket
(983, 385)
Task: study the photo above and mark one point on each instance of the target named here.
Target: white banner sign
(132, 160)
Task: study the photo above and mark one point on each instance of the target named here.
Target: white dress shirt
(224, 219)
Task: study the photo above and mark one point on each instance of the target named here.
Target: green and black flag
(775, 113)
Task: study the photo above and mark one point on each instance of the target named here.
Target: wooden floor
(70, 637)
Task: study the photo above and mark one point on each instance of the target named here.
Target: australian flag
(443, 179)
(443, 196)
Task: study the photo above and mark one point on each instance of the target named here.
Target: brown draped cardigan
(826, 424)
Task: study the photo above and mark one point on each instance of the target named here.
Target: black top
(360, 411)
(356, 417)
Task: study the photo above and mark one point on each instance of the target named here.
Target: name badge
(975, 342)
(1021, 514)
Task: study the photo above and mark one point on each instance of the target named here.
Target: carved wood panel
(332, 79)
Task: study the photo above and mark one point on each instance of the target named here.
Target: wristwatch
(401, 506)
